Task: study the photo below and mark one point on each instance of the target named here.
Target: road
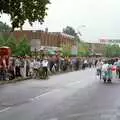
(71, 96)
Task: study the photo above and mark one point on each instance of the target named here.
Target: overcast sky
(101, 18)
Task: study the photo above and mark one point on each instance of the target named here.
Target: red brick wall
(47, 39)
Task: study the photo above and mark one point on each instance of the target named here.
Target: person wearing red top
(3, 68)
(114, 70)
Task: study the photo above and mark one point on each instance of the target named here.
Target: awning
(96, 54)
(51, 52)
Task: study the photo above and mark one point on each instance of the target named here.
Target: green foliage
(112, 51)
(66, 50)
(22, 10)
(70, 31)
(4, 27)
(2, 41)
(8, 41)
(77, 39)
(21, 48)
(11, 42)
(83, 49)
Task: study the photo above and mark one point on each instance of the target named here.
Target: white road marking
(5, 109)
(81, 83)
(54, 119)
(74, 83)
(103, 113)
(42, 95)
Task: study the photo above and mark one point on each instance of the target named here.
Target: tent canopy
(51, 52)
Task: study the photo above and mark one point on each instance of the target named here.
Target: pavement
(78, 95)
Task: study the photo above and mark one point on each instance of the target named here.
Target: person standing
(118, 69)
(36, 67)
(51, 64)
(3, 68)
(31, 66)
(57, 63)
(85, 63)
(96, 62)
(90, 63)
(45, 67)
(77, 64)
(17, 67)
(99, 68)
(27, 66)
(105, 70)
(11, 69)
(23, 67)
(114, 71)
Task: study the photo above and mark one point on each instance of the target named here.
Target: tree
(12, 43)
(22, 10)
(78, 40)
(8, 41)
(4, 27)
(70, 31)
(112, 51)
(83, 49)
(66, 50)
(23, 48)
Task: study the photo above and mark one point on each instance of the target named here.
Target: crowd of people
(108, 69)
(37, 67)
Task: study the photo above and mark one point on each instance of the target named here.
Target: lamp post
(35, 53)
(79, 35)
(79, 31)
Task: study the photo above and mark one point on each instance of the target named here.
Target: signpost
(74, 50)
(35, 45)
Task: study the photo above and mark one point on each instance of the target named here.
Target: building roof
(63, 34)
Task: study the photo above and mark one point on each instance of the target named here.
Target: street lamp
(79, 31)
(79, 34)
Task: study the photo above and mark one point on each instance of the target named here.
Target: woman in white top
(45, 67)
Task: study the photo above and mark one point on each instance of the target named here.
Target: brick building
(53, 40)
(97, 48)
(44, 40)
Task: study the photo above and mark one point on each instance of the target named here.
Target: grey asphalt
(72, 96)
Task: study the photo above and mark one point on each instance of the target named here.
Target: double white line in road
(31, 99)
(5, 109)
(42, 95)
(53, 91)
(58, 90)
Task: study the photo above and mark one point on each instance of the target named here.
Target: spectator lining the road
(45, 67)
(25, 66)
